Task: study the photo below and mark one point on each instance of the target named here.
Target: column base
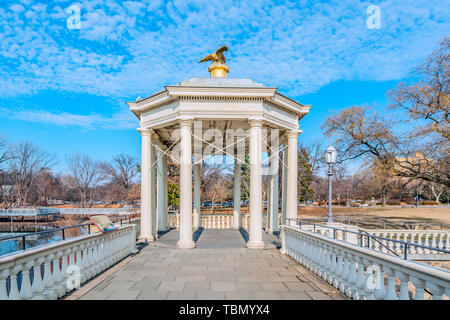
(255, 245)
(146, 239)
(185, 245)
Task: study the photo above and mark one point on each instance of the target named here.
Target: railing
(217, 221)
(56, 211)
(382, 223)
(51, 271)
(63, 231)
(362, 273)
(375, 242)
(421, 241)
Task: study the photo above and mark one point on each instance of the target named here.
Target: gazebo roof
(218, 88)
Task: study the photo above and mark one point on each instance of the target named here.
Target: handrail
(351, 269)
(62, 229)
(405, 244)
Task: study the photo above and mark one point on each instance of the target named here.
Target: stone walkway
(221, 267)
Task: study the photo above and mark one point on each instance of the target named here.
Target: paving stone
(208, 295)
(152, 295)
(222, 286)
(298, 286)
(267, 295)
(146, 285)
(223, 269)
(239, 296)
(318, 296)
(191, 278)
(197, 286)
(123, 295)
(274, 286)
(181, 296)
(171, 286)
(298, 295)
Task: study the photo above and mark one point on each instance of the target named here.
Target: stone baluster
(339, 270)
(358, 294)
(441, 241)
(420, 288)
(404, 281)
(390, 294)
(433, 240)
(4, 274)
(379, 291)
(37, 286)
(14, 293)
(413, 241)
(61, 285)
(328, 262)
(368, 285)
(26, 292)
(57, 274)
(345, 272)
(351, 282)
(333, 265)
(94, 267)
(427, 243)
(79, 261)
(49, 285)
(85, 262)
(437, 291)
(398, 246)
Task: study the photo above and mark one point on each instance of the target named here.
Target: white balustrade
(44, 270)
(362, 273)
(431, 238)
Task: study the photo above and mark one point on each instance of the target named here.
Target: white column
(161, 181)
(237, 195)
(153, 187)
(255, 228)
(165, 190)
(291, 195)
(146, 199)
(284, 186)
(185, 241)
(269, 209)
(197, 207)
(274, 192)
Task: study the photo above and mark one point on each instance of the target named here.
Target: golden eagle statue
(216, 57)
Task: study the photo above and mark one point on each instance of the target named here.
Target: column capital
(185, 120)
(145, 132)
(256, 121)
(293, 133)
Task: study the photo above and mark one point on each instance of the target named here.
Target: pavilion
(181, 122)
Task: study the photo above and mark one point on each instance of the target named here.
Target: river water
(13, 245)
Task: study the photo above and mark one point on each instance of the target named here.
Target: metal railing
(380, 221)
(364, 239)
(62, 230)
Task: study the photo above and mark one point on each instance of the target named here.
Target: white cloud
(117, 121)
(299, 46)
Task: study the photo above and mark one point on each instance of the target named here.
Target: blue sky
(65, 89)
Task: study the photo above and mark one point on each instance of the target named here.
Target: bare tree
(417, 151)
(87, 174)
(123, 170)
(3, 150)
(25, 161)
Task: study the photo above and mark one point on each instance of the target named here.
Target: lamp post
(330, 159)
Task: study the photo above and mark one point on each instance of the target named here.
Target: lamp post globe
(330, 159)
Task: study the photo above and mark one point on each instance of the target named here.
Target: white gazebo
(220, 116)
